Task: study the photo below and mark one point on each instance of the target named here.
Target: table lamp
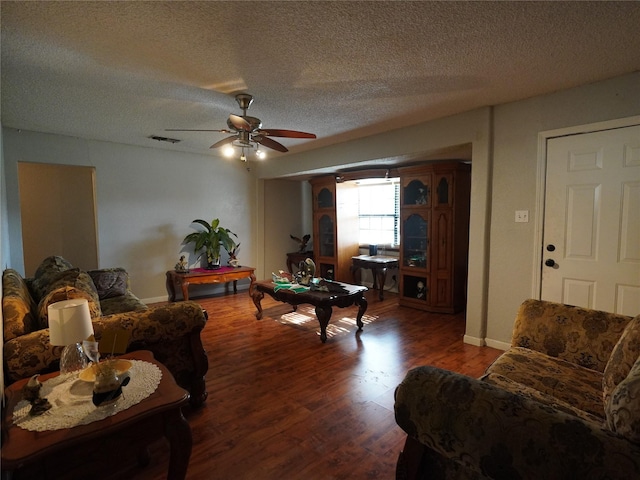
(70, 324)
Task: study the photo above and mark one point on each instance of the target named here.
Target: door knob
(551, 247)
(550, 263)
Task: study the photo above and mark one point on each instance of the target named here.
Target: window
(379, 211)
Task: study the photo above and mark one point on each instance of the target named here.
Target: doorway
(591, 239)
(58, 214)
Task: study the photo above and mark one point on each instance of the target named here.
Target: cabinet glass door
(327, 236)
(325, 198)
(416, 193)
(414, 241)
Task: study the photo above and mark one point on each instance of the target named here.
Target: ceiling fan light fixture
(261, 154)
(229, 151)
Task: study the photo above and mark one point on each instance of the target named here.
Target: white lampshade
(69, 321)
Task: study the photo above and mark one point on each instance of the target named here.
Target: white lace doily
(71, 404)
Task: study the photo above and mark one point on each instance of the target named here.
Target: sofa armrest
(499, 434)
(578, 335)
(171, 332)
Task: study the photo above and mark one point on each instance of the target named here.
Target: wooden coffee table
(158, 415)
(323, 301)
(203, 276)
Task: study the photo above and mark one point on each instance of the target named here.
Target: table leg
(382, 279)
(178, 432)
(362, 307)
(184, 284)
(324, 315)
(235, 286)
(257, 297)
(171, 289)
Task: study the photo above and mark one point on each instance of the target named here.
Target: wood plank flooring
(282, 405)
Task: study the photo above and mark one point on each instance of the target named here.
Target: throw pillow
(18, 308)
(110, 282)
(623, 409)
(49, 269)
(622, 358)
(73, 283)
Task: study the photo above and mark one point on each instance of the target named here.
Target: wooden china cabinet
(434, 236)
(335, 227)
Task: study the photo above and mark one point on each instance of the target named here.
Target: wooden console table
(158, 415)
(203, 276)
(323, 301)
(378, 265)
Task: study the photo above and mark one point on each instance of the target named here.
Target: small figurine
(182, 266)
(31, 393)
(303, 242)
(420, 290)
(422, 197)
(233, 259)
(307, 272)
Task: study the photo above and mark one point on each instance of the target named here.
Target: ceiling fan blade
(267, 142)
(276, 132)
(224, 141)
(239, 122)
(195, 130)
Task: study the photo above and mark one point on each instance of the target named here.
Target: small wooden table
(158, 415)
(378, 265)
(203, 276)
(323, 301)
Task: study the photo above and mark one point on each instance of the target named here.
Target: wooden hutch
(335, 227)
(434, 236)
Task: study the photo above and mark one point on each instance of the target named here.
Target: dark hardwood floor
(282, 405)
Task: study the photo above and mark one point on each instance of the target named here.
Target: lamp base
(72, 358)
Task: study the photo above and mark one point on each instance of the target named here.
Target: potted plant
(211, 238)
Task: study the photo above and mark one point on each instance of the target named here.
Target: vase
(214, 264)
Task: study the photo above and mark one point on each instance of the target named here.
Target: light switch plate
(522, 216)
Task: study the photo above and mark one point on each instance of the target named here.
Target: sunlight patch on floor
(305, 317)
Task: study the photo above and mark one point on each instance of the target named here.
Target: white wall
(287, 204)
(146, 201)
(515, 186)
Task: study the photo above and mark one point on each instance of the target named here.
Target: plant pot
(214, 264)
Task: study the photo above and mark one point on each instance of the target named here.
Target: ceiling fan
(248, 132)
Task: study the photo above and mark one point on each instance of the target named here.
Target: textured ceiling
(122, 71)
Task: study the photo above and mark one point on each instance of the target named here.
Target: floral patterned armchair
(562, 403)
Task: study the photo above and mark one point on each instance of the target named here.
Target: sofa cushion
(622, 359)
(526, 391)
(19, 312)
(121, 304)
(73, 283)
(568, 382)
(623, 408)
(110, 282)
(48, 270)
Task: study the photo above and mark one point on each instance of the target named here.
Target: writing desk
(378, 265)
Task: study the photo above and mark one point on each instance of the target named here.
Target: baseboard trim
(498, 344)
(478, 342)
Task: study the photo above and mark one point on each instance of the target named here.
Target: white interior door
(591, 254)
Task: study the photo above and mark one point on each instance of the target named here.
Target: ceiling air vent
(164, 139)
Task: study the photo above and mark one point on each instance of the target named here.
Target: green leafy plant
(210, 238)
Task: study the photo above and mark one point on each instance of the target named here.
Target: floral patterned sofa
(562, 403)
(171, 332)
